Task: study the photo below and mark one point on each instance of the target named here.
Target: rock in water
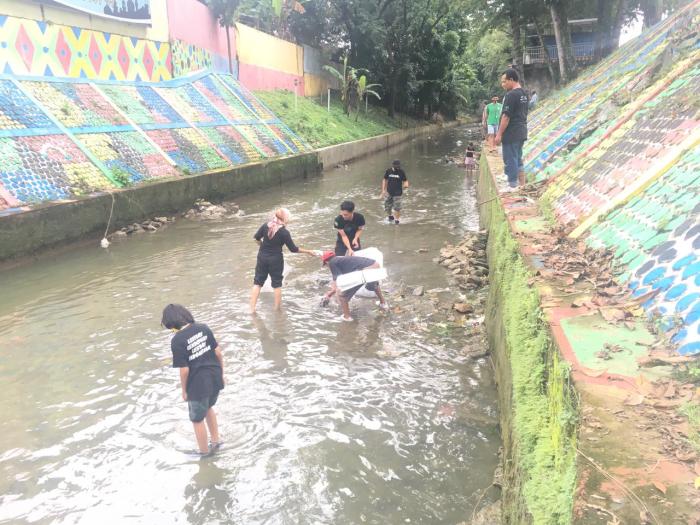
(475, 352)
(418, 291)
(490, 515)
(463, 308)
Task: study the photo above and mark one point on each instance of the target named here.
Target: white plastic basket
(351, 280)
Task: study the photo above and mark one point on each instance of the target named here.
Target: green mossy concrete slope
(319, 127)
(538, 408)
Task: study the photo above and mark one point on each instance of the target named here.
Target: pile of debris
(467, 261)
(150, 226)
(205, 210)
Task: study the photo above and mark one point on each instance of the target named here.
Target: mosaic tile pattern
(188, 58)
(48, 167)
(652, 226)
(17, 111)
(634, 230)
(553, 124)
(75, 105)
(628, 154)
(127, 154)
(673, 272)
(224, 101)
(143, 104)
(189, 149)
(230, 142)
(189, 103)
(263, 141)
(250, 101)
(642, 233)
(34, 113)
(286, 135)
(38, 48)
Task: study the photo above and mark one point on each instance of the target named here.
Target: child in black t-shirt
(201, 363)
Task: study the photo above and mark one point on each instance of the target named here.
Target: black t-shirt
(515, 106)
(340, 265)
(395, 178)
(349, 227)
(193, 347)
(470, 153)
(274, 246)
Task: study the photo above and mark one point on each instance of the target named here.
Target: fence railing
(582, 52)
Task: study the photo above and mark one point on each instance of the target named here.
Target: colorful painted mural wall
(64, 138)
(620, 152)
(197, 39)
(36, 47)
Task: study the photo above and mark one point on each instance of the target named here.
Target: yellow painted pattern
(314, 85)
(260, 49)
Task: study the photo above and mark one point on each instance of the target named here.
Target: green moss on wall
(541, 416)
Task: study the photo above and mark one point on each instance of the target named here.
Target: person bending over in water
(271, 237)
(201, 363)
(340, 265)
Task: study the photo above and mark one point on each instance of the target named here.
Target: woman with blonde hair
(271, 237)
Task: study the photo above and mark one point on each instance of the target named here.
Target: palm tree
(225, 12)
(352, 88)
(345, 82)
(364, 90)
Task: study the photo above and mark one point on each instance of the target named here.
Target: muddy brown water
(381, 421)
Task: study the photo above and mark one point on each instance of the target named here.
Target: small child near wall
(470, 158)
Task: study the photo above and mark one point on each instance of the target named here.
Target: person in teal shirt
(492, 116)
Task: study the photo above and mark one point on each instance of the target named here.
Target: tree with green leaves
(559, 10)
(364, 90)
(225, 12)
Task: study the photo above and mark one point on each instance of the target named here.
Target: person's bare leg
(278, 298)
(380, 295)
(254, 298)
(345, 305)
(200, 433)
(397, 214)
(213, 426)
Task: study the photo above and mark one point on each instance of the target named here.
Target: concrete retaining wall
(61, 223)
(333, 155)
(537, 406)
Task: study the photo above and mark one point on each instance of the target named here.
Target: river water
(382, 420)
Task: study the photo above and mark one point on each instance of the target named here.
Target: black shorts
(341, 250)
(199, 407)
(272, 266)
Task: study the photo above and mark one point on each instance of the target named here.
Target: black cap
(396, 162)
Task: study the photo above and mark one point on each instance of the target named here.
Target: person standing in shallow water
(470, 158)
(512, 131)
(198, 356)
(393, 184)
(350, 226)
(491, 118)
(271, 237)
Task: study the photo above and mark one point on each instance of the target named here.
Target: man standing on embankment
(512, 131)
